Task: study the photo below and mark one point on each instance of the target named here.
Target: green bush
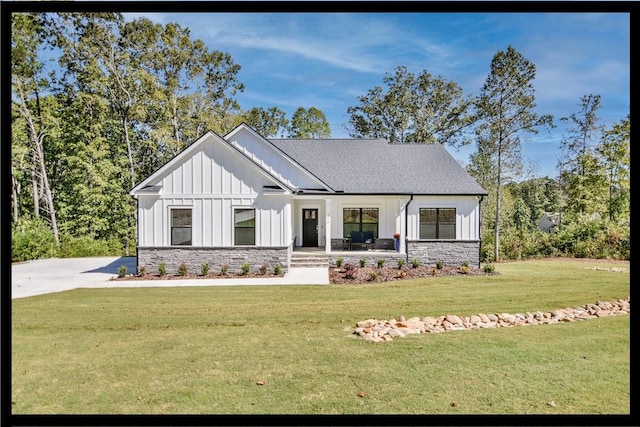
(86, 246)
(339, 262)
(363, 262)
(122, 271)
(489, 268)
(162, 269)
(246, 268)
(277, 269)
(439, 265)
(380, 263)
(205, 269)
(415, 263)
(401, 263)
(32, 239)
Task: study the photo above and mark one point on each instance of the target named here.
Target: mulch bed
(361, 275)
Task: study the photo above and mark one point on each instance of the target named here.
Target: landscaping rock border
(386, 330)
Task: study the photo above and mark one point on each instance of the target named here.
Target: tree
(311, 123)
(268, 123)
(614, 149)
(505, 108)
(581, 172)
(413, 109)
(27, 85)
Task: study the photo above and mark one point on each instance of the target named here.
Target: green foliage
(415, 263)
(439, 265)
(122, 271)
(246, 268)
(162, 269)
(420, 109)
(183, 269)
(401, 263)
(32, 239)
(339, 262)
(277, 269)
(205, 269)
(311, 123)
(489, 268)
(85, 246)
(465, 263)
(363, 262)
(269, 123)
(380, 263)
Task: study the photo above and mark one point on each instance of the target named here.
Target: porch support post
(327, 225)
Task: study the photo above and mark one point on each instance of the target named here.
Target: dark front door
(309, 227)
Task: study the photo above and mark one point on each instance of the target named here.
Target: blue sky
(328, 60)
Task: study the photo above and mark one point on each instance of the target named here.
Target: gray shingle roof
(373, 166)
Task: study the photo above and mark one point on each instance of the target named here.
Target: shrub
(380, 263)
(183, 269)
(205, 269)
(246, 268)
(363, 262)
(415, 263)
(264, 268)
(401, 263)
(162, 269)
(142, 270)
(277, 269)
(122, 271)
(349, 271)
(224, 269)
(339, 262)
(489, 268)
(32, 239)
(439, 265)
(86, 246)
(465, 264)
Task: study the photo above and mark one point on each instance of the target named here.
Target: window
(360, 219)
(437, 223)
(180, 227)
(245, 226)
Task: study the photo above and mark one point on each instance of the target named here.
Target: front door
(310, 227)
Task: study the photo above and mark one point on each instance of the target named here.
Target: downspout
(406, 227)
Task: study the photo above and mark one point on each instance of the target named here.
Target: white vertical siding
(467, 214)
(213, 181)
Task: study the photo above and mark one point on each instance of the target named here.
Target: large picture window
(437, 223)
(245, 226)
(360, 219)
(180, 227)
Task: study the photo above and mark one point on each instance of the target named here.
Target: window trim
(377, 209)
(172, 227)
(235, 227)
(438, 223)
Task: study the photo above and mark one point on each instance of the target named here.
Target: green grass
(203, 350)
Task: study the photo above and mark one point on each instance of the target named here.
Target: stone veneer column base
(194, 257)
(450, 252)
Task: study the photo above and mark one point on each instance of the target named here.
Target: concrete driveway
(63, 274)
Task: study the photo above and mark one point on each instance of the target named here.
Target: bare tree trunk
(34, 186)
(36, 138)
(15, 190)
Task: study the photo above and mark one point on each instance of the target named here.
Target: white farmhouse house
(244, 198)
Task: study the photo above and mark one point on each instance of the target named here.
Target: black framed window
(180, 227)
(437, 223)
(360, 219)
(244, 224)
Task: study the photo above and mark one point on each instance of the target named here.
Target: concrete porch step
(309, 260)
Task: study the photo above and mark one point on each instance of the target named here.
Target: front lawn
(291, 350)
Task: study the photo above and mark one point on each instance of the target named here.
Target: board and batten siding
(467, 214)
(212, 182)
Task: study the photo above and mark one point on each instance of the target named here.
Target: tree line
(123, 98)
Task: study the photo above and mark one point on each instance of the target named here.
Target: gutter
(406, 227)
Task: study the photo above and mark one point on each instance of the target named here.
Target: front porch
(371, 256)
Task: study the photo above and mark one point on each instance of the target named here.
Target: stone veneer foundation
(194, 257)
